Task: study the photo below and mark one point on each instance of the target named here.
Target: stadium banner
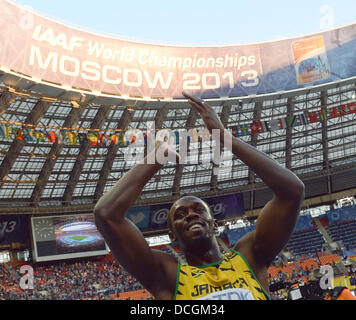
(140, 216)
(159, 215)
(304, 222)
(223, 207)
(53, 52)
(342, 214)
(14, 229)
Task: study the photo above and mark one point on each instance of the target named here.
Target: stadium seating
(344, 231)
(305, 241)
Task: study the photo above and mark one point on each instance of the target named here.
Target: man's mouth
(195, 226)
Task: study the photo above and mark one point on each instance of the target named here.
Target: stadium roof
(41, 176)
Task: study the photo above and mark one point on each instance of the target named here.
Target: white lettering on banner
(51, 58)
(106, 70)
(59, 40)
(217, 208)
(90, 70)
(252, 77)
(158, 77)
(197, 81)
(7, 226)
(160, 216)
(235, 61)
(92, 67)
(75, 67)
(99, 50)
(69, 66)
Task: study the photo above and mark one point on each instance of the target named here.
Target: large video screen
(66, 237)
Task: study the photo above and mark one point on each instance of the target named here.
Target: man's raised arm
(277, 219)
(152, 268)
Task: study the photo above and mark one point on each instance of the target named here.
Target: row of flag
(194, 135)
(293, 121)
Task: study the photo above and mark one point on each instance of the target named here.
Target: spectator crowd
(83, 280)
(104, 279)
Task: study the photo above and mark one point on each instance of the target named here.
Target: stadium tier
(78, 110)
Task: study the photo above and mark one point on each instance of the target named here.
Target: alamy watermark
(176, 147)
(27, 281)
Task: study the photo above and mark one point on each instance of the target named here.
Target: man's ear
(172, 236)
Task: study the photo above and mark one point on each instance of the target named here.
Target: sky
(201, 22)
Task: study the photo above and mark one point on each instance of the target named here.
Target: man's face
(190, 222)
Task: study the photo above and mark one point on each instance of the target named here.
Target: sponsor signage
(150, 218)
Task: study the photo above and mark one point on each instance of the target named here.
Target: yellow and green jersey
(231, 278)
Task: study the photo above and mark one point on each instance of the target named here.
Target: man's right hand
(208, 114)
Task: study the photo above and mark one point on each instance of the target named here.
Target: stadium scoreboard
(66, 237)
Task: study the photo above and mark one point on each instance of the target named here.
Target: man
(242, 274)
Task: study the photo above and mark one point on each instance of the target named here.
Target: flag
(60, 137)
(40, 136)
(235, 131)
(293, 121)
(114, 139)
(19, 134)
(322, 115)
(102, 139)
(301, 119)
(342, 110)
(51, 136)
(244, 129)
(145, 138)
(121, 140)
(274, 124)
(93, 138)
(255, 128)
(313, 117)
(7, 132)
(352, 107)
(333, 113)
(259, 127)
(282, 123)
(82, 137)
(73, 138)
(264, 126)
(28, 134)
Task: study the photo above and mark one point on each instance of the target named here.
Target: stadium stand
(342, 226)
